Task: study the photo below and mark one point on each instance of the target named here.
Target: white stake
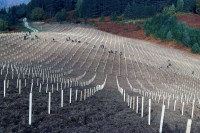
(142, 109)
(52, 88)
(182, 108)
(137, 105)
(76, 95)
(47, 88)
(84, 94)
(149, 118)
(192, 110)
(162, 118)
(168, 103)
(81, 96)
(30, 108)
(124, 95)
(61, 98)
(7, 84)
(17, 83)
(20, 86)
(57, 86)
(25, 83)
(189, 123)
(4, 90)
(70, 97)
(49, 103)
(175, 105)
(130, 102)
(40, 87)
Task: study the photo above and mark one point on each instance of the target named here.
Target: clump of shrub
(148, 33)
(38, 14)
(167, 27)
(102, 18)
(61, 16)
(138, 27)
(114, 17)
(169, 36)
(196, 48)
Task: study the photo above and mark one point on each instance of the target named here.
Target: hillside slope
(154, 72)
(192, 20)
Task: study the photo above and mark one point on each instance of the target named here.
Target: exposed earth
(145, 69)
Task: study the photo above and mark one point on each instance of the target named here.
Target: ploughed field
(81, 87)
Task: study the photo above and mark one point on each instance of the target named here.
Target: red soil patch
(192, 20)
(126, 30)
(130, 31)
(106, 19)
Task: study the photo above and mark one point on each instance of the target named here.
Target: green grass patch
(21, 28)
(184, 13)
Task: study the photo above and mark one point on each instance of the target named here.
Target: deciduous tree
(38, 14)
(196, 48)
(180, 4)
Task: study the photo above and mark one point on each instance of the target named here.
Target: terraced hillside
(79, 87)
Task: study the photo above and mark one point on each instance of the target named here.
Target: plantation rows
(58, 73)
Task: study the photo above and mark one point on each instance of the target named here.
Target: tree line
(131, 9)
(10, 17)
(34, 10)
(167, 27)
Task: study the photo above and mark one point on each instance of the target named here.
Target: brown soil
(105, 111)
(126, 30)
(130, 31)
(192, 20)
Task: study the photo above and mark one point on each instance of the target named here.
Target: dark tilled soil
(103, 112)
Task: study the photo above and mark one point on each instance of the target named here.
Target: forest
(131, 9)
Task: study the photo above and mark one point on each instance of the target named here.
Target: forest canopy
(130, 9)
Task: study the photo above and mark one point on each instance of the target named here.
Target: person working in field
(68, 39)
(110, 51)
(192, 72)
(36, 37)
(120, 54)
